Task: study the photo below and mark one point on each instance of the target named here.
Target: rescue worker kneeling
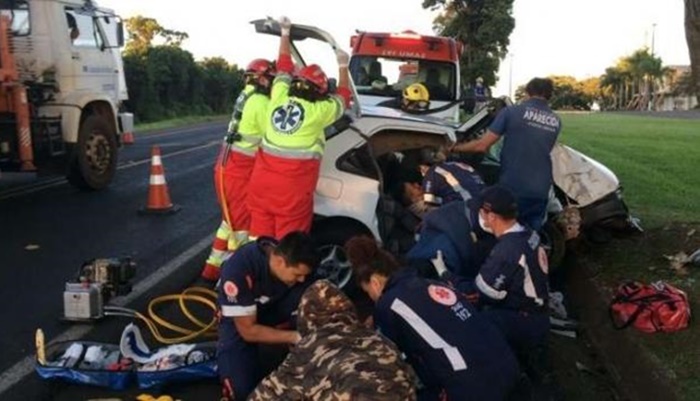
(261, 285)
(282, 185)
(457, 354)
(235, 164)
(513, 281)
(337, 358)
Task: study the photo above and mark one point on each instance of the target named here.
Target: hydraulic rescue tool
(97, 281)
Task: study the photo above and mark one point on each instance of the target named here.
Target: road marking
(184, 131)
(31, 188)
(24, 367)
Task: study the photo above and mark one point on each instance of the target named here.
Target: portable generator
(97, 281)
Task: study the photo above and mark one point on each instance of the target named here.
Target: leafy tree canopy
(483, 26)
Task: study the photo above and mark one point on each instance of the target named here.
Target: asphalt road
(49, 228)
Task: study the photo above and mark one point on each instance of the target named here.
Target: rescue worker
(261, 285)
(338, 358)
(414, 98)
(454, 232)
(235, 163)
(447, 181)
(481, 94)
(513, 281)
(456, 352)
(281, 191)
(529, 131)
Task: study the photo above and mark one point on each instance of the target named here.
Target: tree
(221, 83)
(483, 26)
(636, 74)
(569, 93)
(692, 36)
(142, 31)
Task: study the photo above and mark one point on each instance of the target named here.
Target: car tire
(93, 162)
(331, 237)
(554, 242)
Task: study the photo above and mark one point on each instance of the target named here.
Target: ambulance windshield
(388, 76)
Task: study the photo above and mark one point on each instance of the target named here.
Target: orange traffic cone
(128, 138)
(158, 196)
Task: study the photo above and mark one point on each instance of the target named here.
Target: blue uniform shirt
(246, 284)
(451, 181)
(448, 343)
(529, 131)
(514, 276)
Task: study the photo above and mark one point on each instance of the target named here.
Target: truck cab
(383, 64)
(65, 55)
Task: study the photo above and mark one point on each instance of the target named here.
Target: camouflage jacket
(337, 357)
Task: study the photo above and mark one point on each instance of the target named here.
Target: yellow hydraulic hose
(153, 321)
(222, 195)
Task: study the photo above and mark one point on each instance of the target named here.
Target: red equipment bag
(650, 308)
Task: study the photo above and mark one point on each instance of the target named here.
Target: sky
(551, 37)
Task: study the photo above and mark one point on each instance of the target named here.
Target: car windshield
(383, 76)
(18, 12)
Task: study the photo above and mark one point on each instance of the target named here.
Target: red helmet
(260, 66)
(314, 75)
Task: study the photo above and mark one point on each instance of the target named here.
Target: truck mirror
(120, 33)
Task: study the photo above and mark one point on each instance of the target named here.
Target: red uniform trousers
(281, 195)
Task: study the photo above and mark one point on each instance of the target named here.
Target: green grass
(656, 160)
(177, 122)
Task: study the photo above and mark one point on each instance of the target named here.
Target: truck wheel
(94, 160)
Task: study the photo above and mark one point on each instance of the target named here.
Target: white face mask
(482, 224)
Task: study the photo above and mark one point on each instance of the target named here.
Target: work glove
(285, 25)
(342, 57)
(439, 264)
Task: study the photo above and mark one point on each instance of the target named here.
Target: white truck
(63, 85)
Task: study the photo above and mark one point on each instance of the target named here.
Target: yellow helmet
(416, 93)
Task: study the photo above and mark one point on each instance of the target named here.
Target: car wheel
(331, 238)
(554, 242)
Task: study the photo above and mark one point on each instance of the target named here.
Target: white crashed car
(365, 149)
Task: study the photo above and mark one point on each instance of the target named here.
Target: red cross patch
(230, 290)
(442, 295)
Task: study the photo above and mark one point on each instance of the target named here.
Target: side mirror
(120, 33)
(340, 125)
(332, 85)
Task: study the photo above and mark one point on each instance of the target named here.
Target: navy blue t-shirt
(514, 276)
(444, 338)
(451, 181)
(246, 284)
(529, 132)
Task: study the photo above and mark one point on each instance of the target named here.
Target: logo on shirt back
(541, 119)
(287, 119)
(442, 295)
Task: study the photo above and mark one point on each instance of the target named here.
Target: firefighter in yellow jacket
(280, 196)
(235, 163)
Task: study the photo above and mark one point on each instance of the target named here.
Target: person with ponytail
(456, 353)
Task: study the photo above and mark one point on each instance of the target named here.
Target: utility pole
(653, 32)
(510, 78)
